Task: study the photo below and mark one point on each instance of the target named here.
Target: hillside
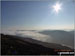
(14, 45)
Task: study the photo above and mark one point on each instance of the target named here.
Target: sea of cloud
(30, 34)
(36, 35)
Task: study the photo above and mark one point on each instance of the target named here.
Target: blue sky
(36, 15)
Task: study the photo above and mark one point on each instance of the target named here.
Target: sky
(36, 15)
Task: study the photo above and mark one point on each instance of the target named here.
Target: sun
(57, 7)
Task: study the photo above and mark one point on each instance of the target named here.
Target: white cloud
(36, 35)
(29, 34)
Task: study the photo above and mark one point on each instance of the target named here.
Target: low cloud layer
(30, 34)
(34, 35)
(60, 37)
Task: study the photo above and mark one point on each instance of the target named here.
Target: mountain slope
(14, 45)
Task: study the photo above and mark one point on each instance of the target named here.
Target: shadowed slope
(15, 45)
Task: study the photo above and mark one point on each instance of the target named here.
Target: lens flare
(57, 7)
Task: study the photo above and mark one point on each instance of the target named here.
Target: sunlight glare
(57, 7)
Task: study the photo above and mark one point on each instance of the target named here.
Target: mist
(65, 38)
